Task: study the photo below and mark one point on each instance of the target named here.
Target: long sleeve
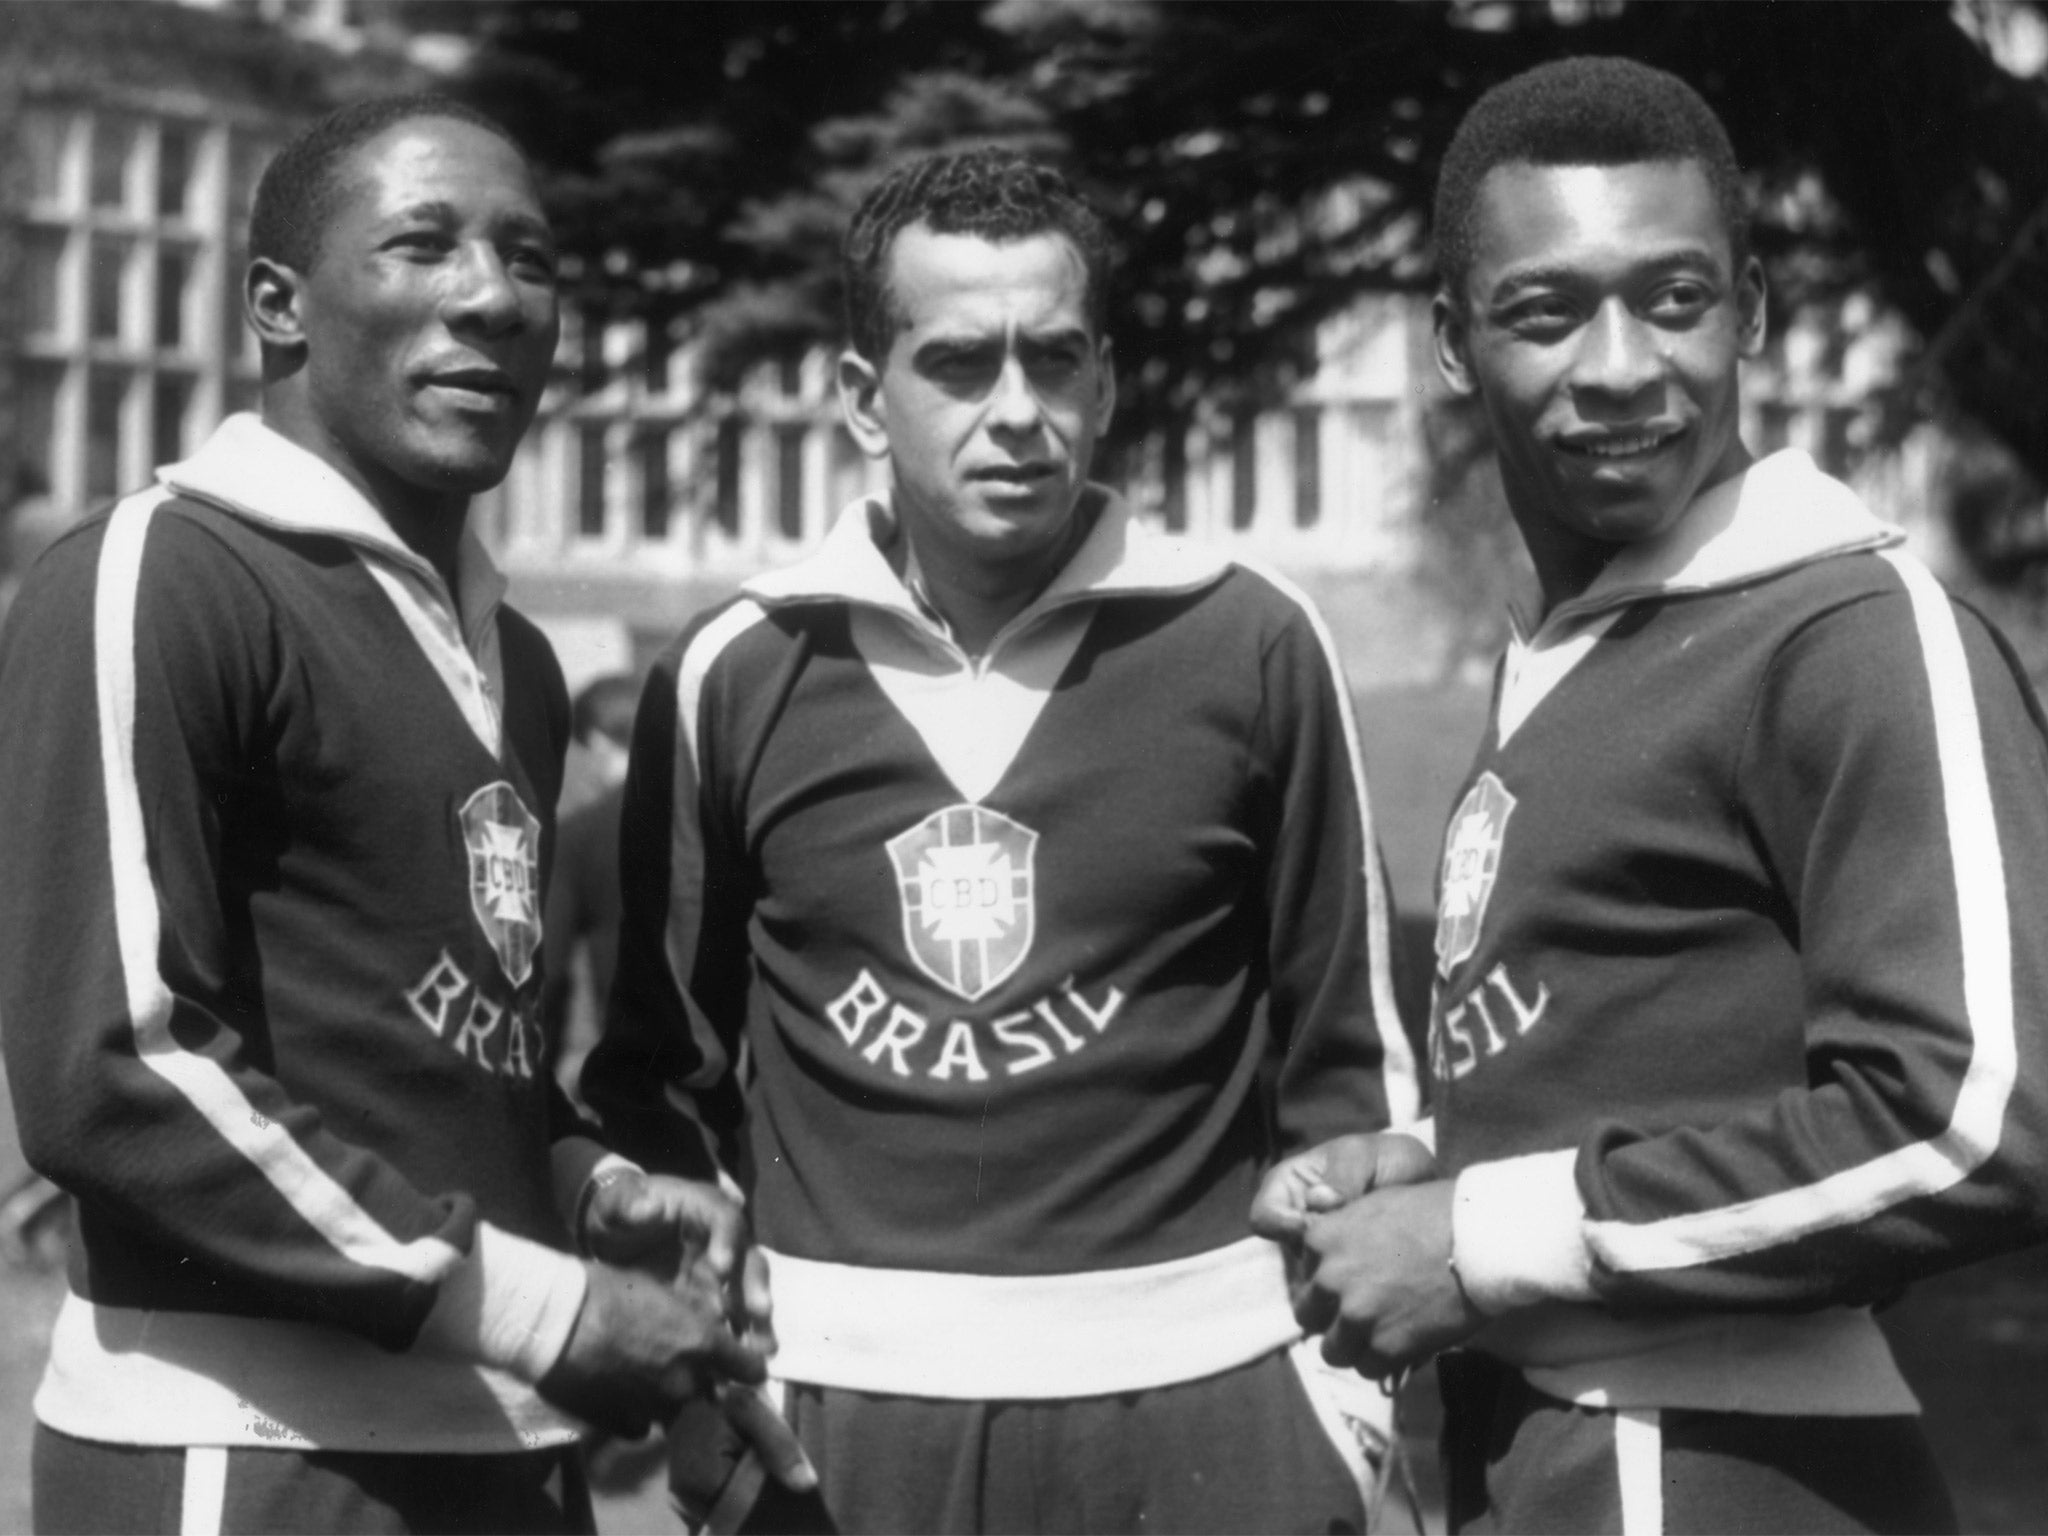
(1894, 776)
(138, 739)
(662, 1077)
(1347, 1063)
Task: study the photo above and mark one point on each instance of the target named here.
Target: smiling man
(1001, 897)
(280, 769)
(1741, 975)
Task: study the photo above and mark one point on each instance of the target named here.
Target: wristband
(1457, 1277)
(597, 1181)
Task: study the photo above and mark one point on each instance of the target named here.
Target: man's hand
(669, 1226)
(643, 1345)
(1379, 1285)
(1334, 1174)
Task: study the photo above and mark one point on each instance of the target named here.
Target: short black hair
(1581, 111)
(301, 185)
(999, 195)
(597, 705)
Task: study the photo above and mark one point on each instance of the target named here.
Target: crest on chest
(503, 839)
(1472, 848)
(964, 878)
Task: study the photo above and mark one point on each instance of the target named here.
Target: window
(725, 507)
(132, 344)
(106, 402)
(113, 154)
(660, 347)
(789, 478)
(40, 386)
(654, 483)
(44, 142)
(1244, 470)
(108, 283)
(43, 282)
(173, 170)
(1308, 466)
(1173, 480)
(590, 508)
(167, 439)
(173, 278)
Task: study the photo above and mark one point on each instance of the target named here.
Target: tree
(1269, 163)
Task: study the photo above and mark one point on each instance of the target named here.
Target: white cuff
(1423, 1130)
(1518, 1232)
(510, 1303)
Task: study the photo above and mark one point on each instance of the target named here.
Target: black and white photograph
(1021, 767)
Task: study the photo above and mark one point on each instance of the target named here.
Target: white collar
(250, 469)
(1120, 556)
(1777, 515)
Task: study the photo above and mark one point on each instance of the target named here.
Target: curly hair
(1581, 111)
(303, 184)
(997, 194)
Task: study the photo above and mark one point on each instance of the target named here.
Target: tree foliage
(1266, 163)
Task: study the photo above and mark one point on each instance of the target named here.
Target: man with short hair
(582, 911)
(1740, 966)
(1001, 897)
(281, 772)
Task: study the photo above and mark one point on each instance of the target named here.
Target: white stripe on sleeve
(1399, 1079)
(322, 1203)
(686, 833)
(1977, 874)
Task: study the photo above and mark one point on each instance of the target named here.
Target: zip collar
(1781, 513)
(258, 474)
(1120, 557)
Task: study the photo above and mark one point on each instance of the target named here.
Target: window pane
(43, 270)
(594, 370)
(1244, 476)
(1173, 480)
(654, 484)
(38, 442)
(725, 508)
(660, 347)
(1308, 466)
(42, 140)
(590, 482)
(104, 394)
(789, 480)
(109, 267)
(173, 169)
(167, 419)
(173, 281)
(113, 144)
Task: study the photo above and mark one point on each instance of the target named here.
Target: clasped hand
(677, 1309)
(1366, 1223)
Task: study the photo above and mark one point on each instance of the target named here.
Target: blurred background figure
(581, 927)
(31, 1207)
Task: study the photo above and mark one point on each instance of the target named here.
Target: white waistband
(131, 1377)
(991, 1337)
(1834, 1362)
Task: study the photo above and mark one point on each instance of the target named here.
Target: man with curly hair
(1740, 970)
(1001, 898)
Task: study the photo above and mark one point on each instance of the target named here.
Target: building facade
(134, 135)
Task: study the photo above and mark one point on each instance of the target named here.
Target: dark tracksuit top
(1011, 950)
(1741, 968)
(278, 810)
